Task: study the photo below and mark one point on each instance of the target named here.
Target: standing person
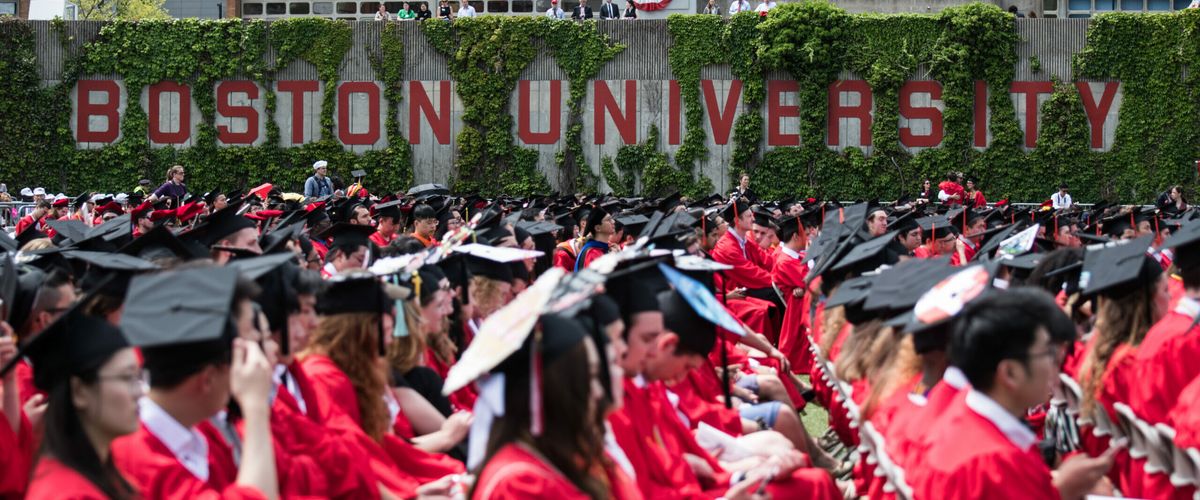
(743, 189)
(382, 14)
(173, 188)
(609, 11)
(423, 11)
(630, 10)
(582, 11)
(445, 13)
(465, 9)
(1061, 200)
(926, 193)
(737, 6)
(34, 219)
(318, 185)
(555, 12)
(1172, 200)
(712, 8)
(950, 192)
(406, 13)
(974, 197)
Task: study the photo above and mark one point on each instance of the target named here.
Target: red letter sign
(224, 132)
(776, 110)
(862, 111)
(721, 121)
(673, 127)
(298, 88)
(85, 109)
(524, 130)
(606, 104)
(1031, 91)
(184, 130)
(981, 107)
(419, 103)
(1097, 113)
(371, 136)
(910, 112)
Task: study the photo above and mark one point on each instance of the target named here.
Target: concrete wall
(636, 86)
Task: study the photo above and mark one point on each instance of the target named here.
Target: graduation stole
(583, 251)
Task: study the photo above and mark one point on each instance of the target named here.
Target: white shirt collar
(291, 386)
(1188, 306)
(639, 381)
(1013, 428)
(741, 241)
(789, 252)
(955, 378)
(188, 445)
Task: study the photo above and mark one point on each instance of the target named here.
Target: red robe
(698, 400)
(54, 481)
(156, 473)
(953, 188)
(397, 464)
(16, 457)
(788, 275)
(25, 222)
(907, 434)
(25, 387)
(592, 254)
(1166, 364)
(1185, 419)
(992, 467)
(751, 269)
(564, 255)
(382, 241)
(515, 473)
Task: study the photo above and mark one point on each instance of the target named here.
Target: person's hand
(8, 351)
(35, 409)
(447, 487)
(959, 246)
(458, 425)
(785, 365)
(744, 394)
(798, 292)
(1075, 477)
(784, 464)
(250, 376)
(736, 294)
(748, 488)
(700, 467)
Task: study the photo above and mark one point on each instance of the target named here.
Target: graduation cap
(1024, 262)
(221, 224)
(180, 307)
(1116, 269)
(1186, 242)
(81, 199)
(634, 285)
(866, 256)
(904, 223)
(632, 223)
(428, 189)
(935, 226)
(158, 243)
(276, 275)
(22, 283)
(387, 209)
(7, 243)
(73, 344)
(348, 235)
(29, 234)
(897, 288)
(735, 207)
(948, 297)
(763, 218)
(276, 241)
(851, 291)
(108, 274)
(73, 230)
(992, 239)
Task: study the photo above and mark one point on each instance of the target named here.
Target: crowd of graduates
(432, 345)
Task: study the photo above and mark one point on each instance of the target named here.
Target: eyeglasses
(131, 380)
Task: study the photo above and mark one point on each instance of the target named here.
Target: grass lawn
(815, 418)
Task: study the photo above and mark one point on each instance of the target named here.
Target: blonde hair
(172, 171)
(1118, 322)
(831, 326)
(487, 295)
(38, 244)
(351, 340)
(901, 363)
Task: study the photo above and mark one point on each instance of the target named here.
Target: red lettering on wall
(85, 109)
(420, 104)
(776, 110)
(1096, 113)
(184, 130)
(910, 112)
(524, 130)
(1031, 91)
(606, 104)
(721, 119)
(371, 136)
(862, 111)
(980, 111)
(673, 115)
(298, 88)
(224, 133)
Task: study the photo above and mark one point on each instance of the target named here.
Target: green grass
(815, 418)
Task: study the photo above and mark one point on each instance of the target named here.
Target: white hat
(121, 198)
(39, 191)
(320, 164)
(26, 192)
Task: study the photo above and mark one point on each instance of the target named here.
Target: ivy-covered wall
(812, 42)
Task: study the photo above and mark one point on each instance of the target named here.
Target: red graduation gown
(750, 268)
(564, 255)
(516, 473)
(992, 467)
(156, 473)
(789, 274)
(16, 457)
(54, 481)
(25, 382)
(1166, 364)
(380, 240)
(1185, 419)
(698, 400)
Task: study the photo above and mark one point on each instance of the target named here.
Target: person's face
(616, 350)
(607, 226)
(109, 406)
(928, 184)
(977, 228)
(426, 227)
(179, 175)
(665, 364)
(455, 221)
(352, 261)
(321, 171)
(643, 329)
(1062, 190)
(945, 244)
(302, 323)
(387, 225)
(246, 239)
(145, 224)
(381, 9)
(432, 313)
(745, 220)
(911, 239)
(220, 202)
(1031, 379)
(362, 216)
(760, 233)
(877, 223)
(1129, 234)
(1144, 228)
(1175, 194)
(66, 297)
(971, 185)
(745, 181)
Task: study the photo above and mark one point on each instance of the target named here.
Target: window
(8, 8)
(523, 6)
(276, 9)
(322, 8)
(252, 9)
(298, 8)
(347, 8)
(497, 6)
(370, 8)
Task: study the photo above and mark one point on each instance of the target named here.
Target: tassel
(535, 387)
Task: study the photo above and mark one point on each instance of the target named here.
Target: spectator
(582, 11)
(423, 12)
(319, 184)
(406, 13)
(974, 196)
(173, 188)
(764, 6)
(1012, 9)
(1033, 14)
(743, 189)
(1061, 200)
(382, 14)
(444, 11)
(739, 6)
(39, 194)
(712, 8)
(631, 10)
(555, 12)
(950, 191)
(609, 11)
(927, 193)
(465, 9)
(1172, 200)
(4, 196)
(143, 188)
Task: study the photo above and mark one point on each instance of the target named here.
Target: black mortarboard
(348, 235)
(735, 207)
(763, 217)
(8, 244)
(276, 241)
(74, 230)
(29, 234)
(108, 274)
(388, 209)
(158, 243)
(867, 255)
(898, 288)
(633, 223)
(222, 223)
(679, 316)
(1186, 242)
(19, 305)
(276, 274)
(180, 307)
(635, 284)
(935, 226)
(1115, 269)
(499, 271)
(1024, 262)
(992, 241)
(73, 344)
(81, 199)
(904, 223)
(851, 291)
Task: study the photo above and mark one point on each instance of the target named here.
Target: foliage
(131, 10)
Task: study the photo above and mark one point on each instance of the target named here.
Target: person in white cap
(318, 185)
(39, 194)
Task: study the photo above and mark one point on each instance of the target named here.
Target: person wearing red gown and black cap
(598, 228)
(91, 374)
(187, 322)
(1002, 344)
(226, 232)
(751, 267)
(34, 219)
(387, 216)
(349, 248)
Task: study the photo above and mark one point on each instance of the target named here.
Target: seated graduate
(186, 322)
(91, 375)
(598, 228)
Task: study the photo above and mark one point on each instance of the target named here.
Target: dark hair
(1057, 259)
(999, 326)
(423, 211)
(402, 245)
(696, 335)
(308, 282)
(44, 204)
(66, 441)
(570, 441)
(48, 294)
(1190, 276)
